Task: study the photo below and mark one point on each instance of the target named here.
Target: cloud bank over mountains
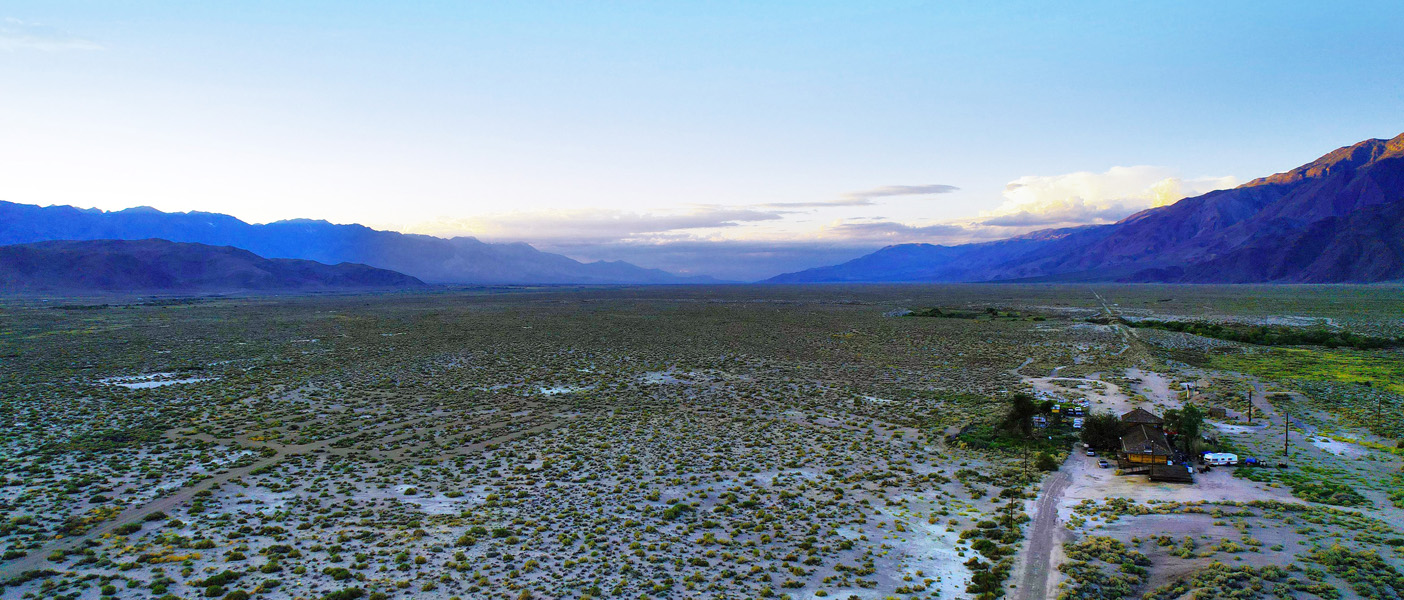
(610, 225)
(1085, 198)
(588, 225)
(752, 241)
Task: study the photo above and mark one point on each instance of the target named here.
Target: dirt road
(1042, 534)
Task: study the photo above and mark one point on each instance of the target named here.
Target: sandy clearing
(1339, 448)
(1232, 429)
(934, 552)
(1157, 387)
(1093, 483)
(1101, 394)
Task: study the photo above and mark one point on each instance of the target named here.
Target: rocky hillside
(433, 259)
(1336, 219)
(160, 266)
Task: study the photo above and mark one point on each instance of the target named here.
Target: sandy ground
(1339, 448)
(1103, 395)
(1204, 529)
(1092, 482)
(1232, 429)
(1108, 396)
(1156, 387)
(933, 550)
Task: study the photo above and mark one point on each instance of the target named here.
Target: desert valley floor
(696, 442)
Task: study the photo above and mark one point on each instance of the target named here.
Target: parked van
(1220, 458)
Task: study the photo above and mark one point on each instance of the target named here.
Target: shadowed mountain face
(1337, 219)
(159, 265)
(456, 260)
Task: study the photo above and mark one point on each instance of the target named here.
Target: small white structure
(1220, 458)
(1077, 423)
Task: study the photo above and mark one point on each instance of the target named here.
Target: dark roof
(1140, 437)
(1141, 415)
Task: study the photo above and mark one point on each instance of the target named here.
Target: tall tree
(1101, 430)
(1185, 423)
(1021, 412)
(1188, 426)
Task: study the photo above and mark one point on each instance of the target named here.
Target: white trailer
(1220, 458)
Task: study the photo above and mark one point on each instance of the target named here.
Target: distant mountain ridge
(433, 259)
(155, 265)
(1337, 219)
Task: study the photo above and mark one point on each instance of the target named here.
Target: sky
(735, 139)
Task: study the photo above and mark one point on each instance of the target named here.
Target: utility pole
(1026, 459)
(1010, 510)
(1286, 424)
(1009, 518)
(1250, 406)
(1378, 402)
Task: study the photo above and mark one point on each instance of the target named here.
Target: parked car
(1091, 452)
(1103, 464)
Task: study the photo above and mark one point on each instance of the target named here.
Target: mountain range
(432, 259)
(1337, 219)
(164, 266)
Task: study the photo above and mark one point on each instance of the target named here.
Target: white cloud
(868, 197)
(23, 35)
(597, 225)
(881, 231)
(903, 190)
(1086, 197)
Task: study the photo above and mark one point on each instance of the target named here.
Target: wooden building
(1143, 444)
(1146, 449)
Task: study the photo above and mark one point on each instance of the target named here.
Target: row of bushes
(1309, 486)
(1272, 335)
(988, 313)
(1366, 572)
(1222, 581)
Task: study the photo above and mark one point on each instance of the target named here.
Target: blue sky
(736, 139)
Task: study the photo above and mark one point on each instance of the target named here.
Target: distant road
(1103, 302)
